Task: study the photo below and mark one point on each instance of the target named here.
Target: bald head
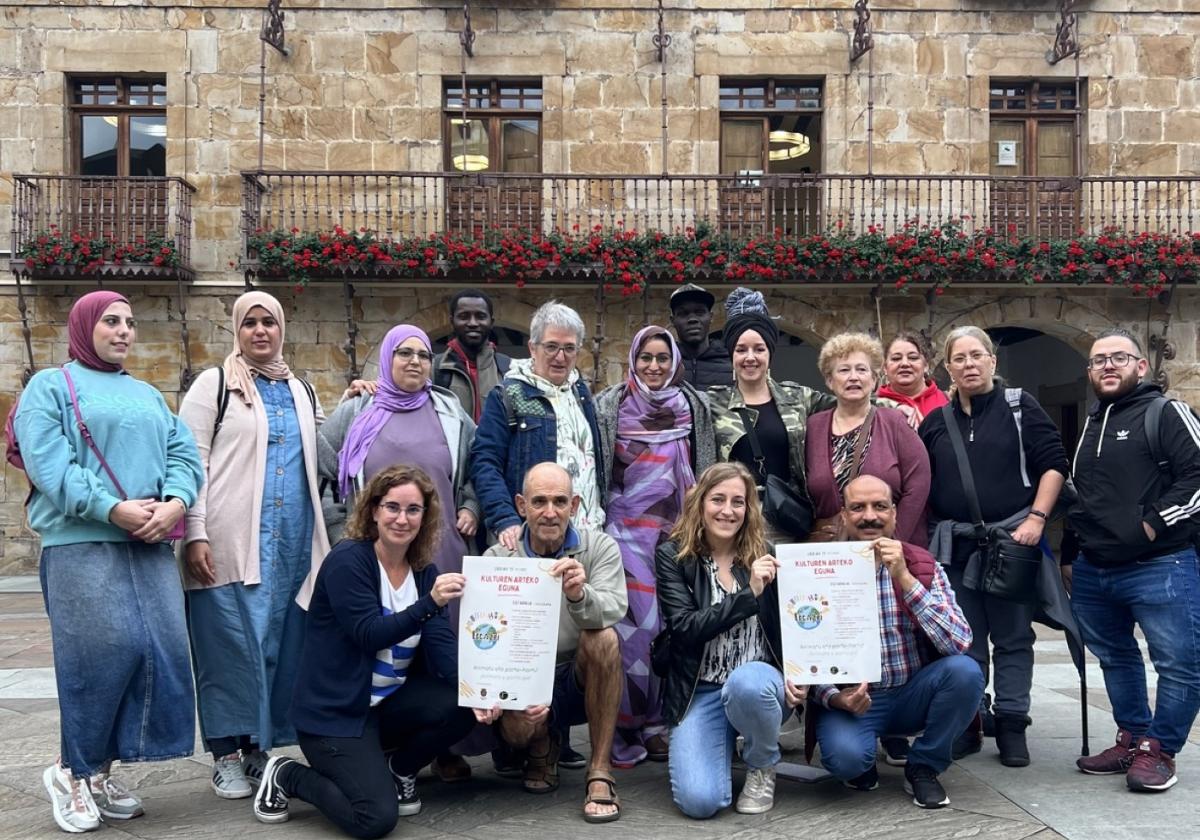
(868, 509)
(547, 471)
(547, 504)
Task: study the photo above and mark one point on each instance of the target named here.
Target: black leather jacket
(685, 601)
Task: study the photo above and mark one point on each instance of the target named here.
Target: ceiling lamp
(470, 163)
(793, 144)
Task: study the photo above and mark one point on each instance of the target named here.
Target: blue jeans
(939, 702)
(1162, 596)
(120, 653)
(750, 704)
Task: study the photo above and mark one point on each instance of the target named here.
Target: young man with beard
(1136, 519)
(705, 361)
(470, 367)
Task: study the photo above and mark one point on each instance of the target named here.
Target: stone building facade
(368, 89)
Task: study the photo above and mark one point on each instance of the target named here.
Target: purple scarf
(388, 400)
(81, 323)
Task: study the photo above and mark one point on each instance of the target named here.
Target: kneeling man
(927, 686)
(587, 683)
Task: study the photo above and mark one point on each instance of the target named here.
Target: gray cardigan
(456, 426)
(703, 439)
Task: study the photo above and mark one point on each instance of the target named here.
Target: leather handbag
(180, 529)
(1009, 568)
(784, 507)
(833, 528)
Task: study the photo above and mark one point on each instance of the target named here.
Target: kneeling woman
(716, 593)
(376, 695)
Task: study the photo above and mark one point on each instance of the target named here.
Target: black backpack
(1152, 421)
(223, 399)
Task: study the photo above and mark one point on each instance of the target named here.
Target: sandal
(541, 771)
(591, 799)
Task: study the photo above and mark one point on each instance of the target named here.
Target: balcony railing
(403, 205)
(134, 227)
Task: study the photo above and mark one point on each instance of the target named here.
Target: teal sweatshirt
(151, 451)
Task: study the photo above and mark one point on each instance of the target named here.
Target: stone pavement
(1047, 800)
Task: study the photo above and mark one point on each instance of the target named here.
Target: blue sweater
(149, 449)
(344, 630)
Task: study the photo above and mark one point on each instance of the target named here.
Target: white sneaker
(758, 794)
(74, 809)
(114, 800)
(253, 763)
(229, 780)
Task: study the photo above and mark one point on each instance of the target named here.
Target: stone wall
(362, 89)
(316, 332)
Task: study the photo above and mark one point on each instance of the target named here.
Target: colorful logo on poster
(808, 610)
(486, 628)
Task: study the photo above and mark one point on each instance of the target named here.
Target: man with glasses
(1136, 518)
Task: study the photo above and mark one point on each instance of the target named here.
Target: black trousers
(350, 780)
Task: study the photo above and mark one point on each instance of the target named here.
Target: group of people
(659, 502)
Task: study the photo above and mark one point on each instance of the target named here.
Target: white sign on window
(1006, 152)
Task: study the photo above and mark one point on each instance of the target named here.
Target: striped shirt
(391, 664)
(938, 617)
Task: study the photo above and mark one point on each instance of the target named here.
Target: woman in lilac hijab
(656, 436)
(408, 420)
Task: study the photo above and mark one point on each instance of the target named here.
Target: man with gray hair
(542, 411)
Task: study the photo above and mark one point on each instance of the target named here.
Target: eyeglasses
(1118, 360)
(553, 348)
(663, 359)
(394, 509)
(406, 354)
(975, 358)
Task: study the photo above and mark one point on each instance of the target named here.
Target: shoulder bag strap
(87, 435)
(864, 434)
(1013, 397)
(964, 471)
(222, 402)
(760, 462)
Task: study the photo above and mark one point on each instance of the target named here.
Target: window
(1033, 135)
(119, 125)
(770, 127)
(502, 127)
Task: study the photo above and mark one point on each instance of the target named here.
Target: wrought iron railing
(134, 226)
(403, 204)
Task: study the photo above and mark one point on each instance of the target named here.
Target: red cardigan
(896, 455)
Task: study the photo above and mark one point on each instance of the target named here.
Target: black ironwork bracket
(351, 345)
(661, 39)
(186, 376)
(26, 333)
(467, 36)
(863, 40)
(1066, 42)
(1160, 346)
(272, 32)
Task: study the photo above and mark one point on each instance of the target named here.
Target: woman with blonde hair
(723, 677)
(254, 537)
(1016, 459)
(377, 693)
(858, 438)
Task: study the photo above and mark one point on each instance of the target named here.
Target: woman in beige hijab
(255, 538)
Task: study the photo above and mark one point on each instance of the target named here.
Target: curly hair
(361, 523)
(841, 346)
(688, 534)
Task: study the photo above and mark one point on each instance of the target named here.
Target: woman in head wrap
(254, 536)
(776, 412)
(656, 436)
(409, 420)
(104, 498)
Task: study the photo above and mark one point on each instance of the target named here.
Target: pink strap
(87, 435)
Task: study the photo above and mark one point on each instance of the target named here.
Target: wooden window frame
(768, 109)
(1031, 115)
(491, 114)
(122, 110)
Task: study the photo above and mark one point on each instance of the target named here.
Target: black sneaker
(967, 743)
(571, 758)
(923, 784)
(866, 781)
(408, 803)
(270, 802)
(895, 750)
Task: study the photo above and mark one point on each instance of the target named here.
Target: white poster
(508, 632)
(829, 612)
(1006, 152)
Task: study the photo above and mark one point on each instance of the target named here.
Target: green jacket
(794, 401)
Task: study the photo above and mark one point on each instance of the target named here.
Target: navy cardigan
(344, 630)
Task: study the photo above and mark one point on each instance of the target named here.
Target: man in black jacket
(705, 361)
(1136, 519)
(470, 367)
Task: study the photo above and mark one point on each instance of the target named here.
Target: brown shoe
(451, 768)
(658, 748)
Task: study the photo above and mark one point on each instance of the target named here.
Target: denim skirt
(121, 660)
